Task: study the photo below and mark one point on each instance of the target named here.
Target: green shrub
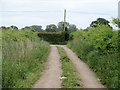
(104, 39)
(81, 47)
(99, 49)
(53, 37)
(24, 55)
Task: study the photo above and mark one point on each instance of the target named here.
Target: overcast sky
(23, 13)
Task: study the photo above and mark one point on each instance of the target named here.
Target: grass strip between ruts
(69, 76)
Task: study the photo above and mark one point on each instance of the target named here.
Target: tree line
(49, 28)
(70, 27)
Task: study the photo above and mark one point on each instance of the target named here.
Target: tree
(100, 21)
(61, 25)
(35, 28)
(87, 29)
(70, 27)
(51, 28)
(3, 27)
(26, 27)
(116, 21)
(14, 27)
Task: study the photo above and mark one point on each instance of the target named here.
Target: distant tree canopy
(3, 27)
(51, 28)
(100, 21)
(35, 28)
(70, 27)
(60, 27)
(87, 29)
(14, 27)
(116, 21)
(11, 27)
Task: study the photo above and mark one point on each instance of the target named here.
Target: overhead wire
(45, 11)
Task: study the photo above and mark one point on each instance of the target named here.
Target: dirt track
(51, 75)
(88, 77)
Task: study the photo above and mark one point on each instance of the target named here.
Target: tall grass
(24, 55)
(99, 49)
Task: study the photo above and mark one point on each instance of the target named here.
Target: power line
(89, 13)
(54, 11)
(33, 11)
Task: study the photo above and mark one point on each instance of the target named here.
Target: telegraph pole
(118, 14)
(64, 19)
(65, 27)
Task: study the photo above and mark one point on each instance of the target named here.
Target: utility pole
(64, 19)
(65, 27)
(118, 13)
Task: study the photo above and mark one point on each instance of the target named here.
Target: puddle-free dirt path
(50, 77)
(87, 76)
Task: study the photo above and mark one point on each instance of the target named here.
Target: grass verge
(105, 66)
(69, 75)
(23, 58)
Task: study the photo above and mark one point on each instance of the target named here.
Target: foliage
(70, 27)
(53, 37)
(60, 27)
(104, 39)
(116, 21)
(51, 28)
(24, 55)
(100, 21)
(35, 28)
(13, 27)
(6, 28)
(70, 80)
(99, 49)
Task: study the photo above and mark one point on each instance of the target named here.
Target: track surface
(51, 75)
(88, 77)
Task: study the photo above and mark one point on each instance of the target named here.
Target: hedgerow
(23, 58)
(99, 49)
(53, 37)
